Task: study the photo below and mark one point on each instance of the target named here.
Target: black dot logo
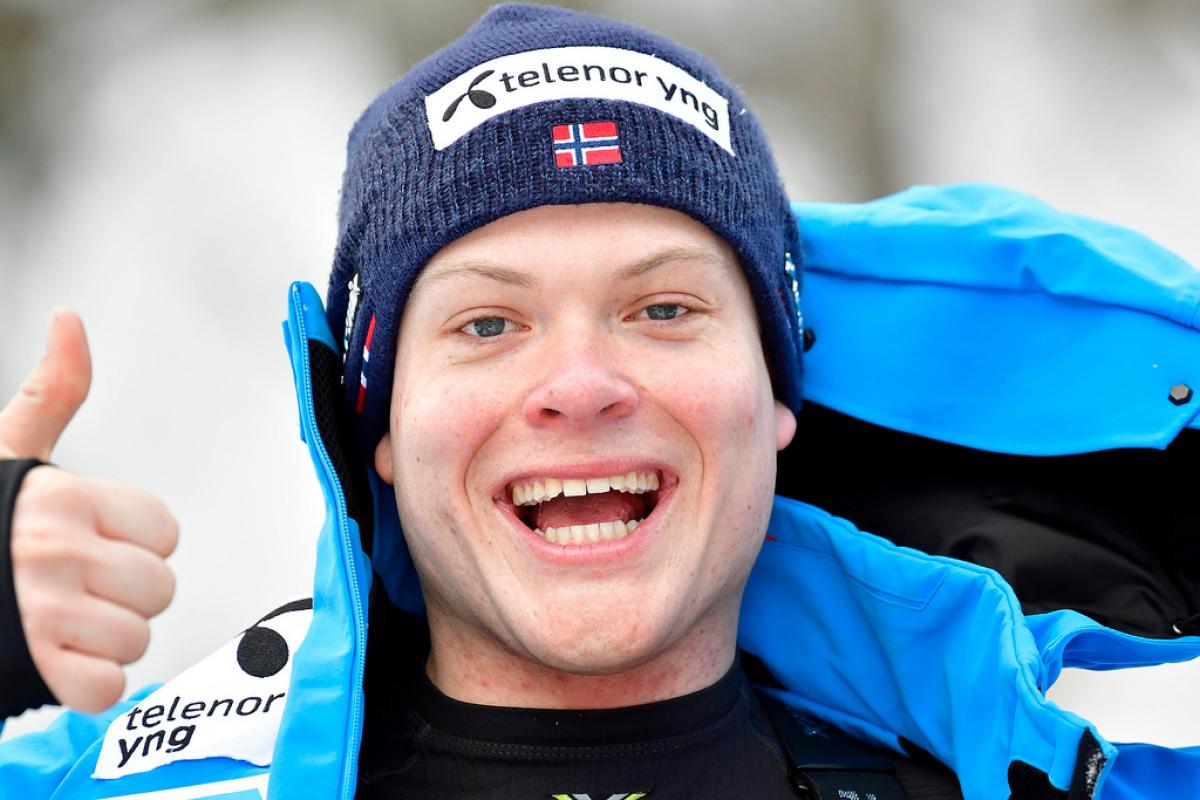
(480, 98)
(263, 652)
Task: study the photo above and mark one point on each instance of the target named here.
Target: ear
(383, 459)
(785, 426)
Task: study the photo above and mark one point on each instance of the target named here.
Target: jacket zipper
(349, 771)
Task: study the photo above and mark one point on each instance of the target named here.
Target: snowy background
(167, 167)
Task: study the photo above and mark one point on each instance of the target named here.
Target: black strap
(21, 687)
(826, 764)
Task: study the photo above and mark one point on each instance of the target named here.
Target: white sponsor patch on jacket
(238, 789)
(556, 73)
(228, 705)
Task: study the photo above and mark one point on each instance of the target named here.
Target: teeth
(539, 490)
(588, 534)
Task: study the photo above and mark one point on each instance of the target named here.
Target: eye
(664, 312)
(488, 327)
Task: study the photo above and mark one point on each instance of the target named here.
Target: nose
(580, 388)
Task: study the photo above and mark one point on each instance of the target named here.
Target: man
(568, 339)
(623, 337)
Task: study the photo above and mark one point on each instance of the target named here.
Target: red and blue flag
(585, 144)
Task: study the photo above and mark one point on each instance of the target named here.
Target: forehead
(622, 241)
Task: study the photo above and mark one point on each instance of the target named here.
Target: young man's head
(566, 282)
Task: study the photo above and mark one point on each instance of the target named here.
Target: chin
(587, 646)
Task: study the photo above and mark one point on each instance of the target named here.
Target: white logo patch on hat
(228, 705)
(557, 73)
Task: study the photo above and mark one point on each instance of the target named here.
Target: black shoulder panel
(1110, 534)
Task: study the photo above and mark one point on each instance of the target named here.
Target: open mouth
(578, 511)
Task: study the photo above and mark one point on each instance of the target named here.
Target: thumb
(33, 420)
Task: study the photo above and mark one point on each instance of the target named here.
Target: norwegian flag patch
(585, 144)
(362, 375)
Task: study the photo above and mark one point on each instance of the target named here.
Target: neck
(474, 667)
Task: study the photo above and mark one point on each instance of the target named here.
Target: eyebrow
(481, 269)
(670, 255)
(512, 277)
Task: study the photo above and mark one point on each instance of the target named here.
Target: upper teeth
(539, 490)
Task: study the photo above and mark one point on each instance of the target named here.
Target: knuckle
(171, 530)
(49, 492)
(163, 589)
(33, 389)
(111, 687)
(62, 623)
(165, 526)
(62, 611)
(136, 641)
(39, 623)
(48, 483)
(101, 689)
(46, 615)
(42, 543)
(43, 652)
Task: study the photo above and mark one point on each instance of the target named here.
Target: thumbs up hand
(87, 553)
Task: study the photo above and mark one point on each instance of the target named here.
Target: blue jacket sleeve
(32, 766)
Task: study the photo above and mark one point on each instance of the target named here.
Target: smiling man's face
(582, 445)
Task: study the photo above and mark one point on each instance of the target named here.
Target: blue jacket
(888, 643)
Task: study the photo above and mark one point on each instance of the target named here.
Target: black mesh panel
(326, 368)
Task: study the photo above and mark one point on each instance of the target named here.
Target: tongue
(589, 508)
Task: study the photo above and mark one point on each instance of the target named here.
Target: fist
(88, 554)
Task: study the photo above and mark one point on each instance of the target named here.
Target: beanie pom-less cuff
(654, 124)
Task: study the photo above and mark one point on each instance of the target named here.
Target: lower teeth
(587, 534)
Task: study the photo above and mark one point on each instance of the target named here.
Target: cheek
(437, 434)
(727, 407)
(722, 399)
(440, 424)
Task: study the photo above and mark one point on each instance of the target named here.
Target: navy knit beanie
(537, 106)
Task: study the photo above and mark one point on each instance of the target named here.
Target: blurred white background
(168, 166)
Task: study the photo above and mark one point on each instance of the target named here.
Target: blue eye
(488, 327)
(662, 312)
